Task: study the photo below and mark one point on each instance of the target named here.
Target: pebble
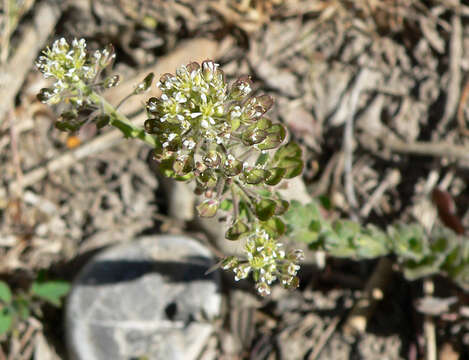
(149, 298)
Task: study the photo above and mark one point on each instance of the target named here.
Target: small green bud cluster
(219, 136)
(70, 64)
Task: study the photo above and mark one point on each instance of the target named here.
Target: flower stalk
(202, 130)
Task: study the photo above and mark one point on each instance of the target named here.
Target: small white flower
(195, 115)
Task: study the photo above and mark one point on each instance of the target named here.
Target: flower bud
(241, 88)
(212, 159)
(111, 81)
(208, 208)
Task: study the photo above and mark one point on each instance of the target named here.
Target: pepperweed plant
(203, 131)
(219, 137)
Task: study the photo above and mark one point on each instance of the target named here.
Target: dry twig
(462, 103)
(34, 37)
(324, 338)
(455, 57)
(429, 325)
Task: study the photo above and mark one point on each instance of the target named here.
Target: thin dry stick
(324, 338)
(429, 325)
(391, 180)
(15, 152)
(6, 31)
(462, 103)
(66, 160)
(348, 145)
(455, 56)
(436, 149)
(33, 39)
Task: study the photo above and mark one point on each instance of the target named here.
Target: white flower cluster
(268, 262)
(194, 99)
(70, 64)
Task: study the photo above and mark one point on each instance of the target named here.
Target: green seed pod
(235, 231)
(232, 166)
(274, 137)
(255, 176)
(241, 88)
(145, 84)
(253, 135)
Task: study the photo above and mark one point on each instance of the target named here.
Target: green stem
(119, 120)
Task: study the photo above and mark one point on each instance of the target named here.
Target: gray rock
(149, 297)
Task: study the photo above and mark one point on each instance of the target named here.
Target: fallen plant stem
(325, 336)
(436, 149)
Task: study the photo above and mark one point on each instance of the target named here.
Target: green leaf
(417, 269)
(6, 320)
(299, 217)
(265, 209)
(51, 291)
(408, 241)
(5, 292)
(371, 243)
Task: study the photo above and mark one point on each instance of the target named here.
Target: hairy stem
(119, 120)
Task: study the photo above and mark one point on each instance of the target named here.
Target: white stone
(149, 297)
